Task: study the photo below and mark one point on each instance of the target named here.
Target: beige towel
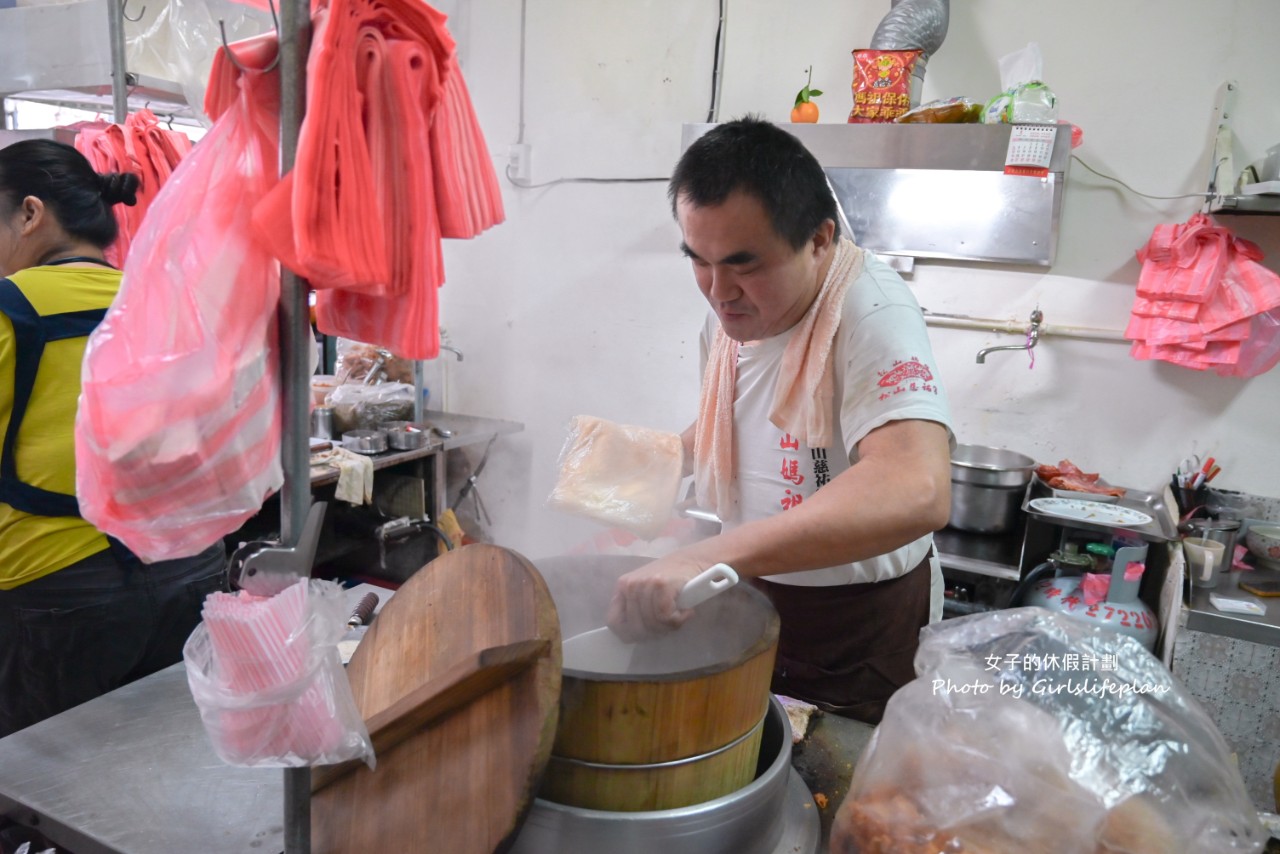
(801, 397)
(355, 474)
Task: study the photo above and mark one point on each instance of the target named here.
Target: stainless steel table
(1203, 617)
(132, 771)
(466, 430)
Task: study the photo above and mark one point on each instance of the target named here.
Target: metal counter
(133, 771)
(467, 430)
(1203, 617)
(825, 760)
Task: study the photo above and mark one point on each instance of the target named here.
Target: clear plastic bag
(356, 359)
(1261, 352)
(619, 474)
(267, 677)
(365, 407)
(1024, 99)
(179, 43)
(1027, 730)
(177, 434)
(943, 111)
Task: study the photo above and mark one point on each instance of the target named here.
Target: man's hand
(644, 600)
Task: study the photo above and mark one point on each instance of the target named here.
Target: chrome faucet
(1033, 336)
(454, 350)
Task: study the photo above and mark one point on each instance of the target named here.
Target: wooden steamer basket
(683, 725)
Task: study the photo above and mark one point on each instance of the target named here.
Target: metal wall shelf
(1242, 204)
(938, 190)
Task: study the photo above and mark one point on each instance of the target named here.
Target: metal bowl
(406, 435)
(365, 441)
(987, 466)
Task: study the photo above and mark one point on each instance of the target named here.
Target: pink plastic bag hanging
(1202, 299)
(1185, 260)
(178, 429)
(139, 146)
(390, 160)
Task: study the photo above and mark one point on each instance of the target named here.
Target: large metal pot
(773, 813)
(987, 486)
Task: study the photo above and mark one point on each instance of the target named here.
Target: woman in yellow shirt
(80, 615)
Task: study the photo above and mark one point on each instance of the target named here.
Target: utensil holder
(1189, 499)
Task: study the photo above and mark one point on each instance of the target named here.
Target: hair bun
(119, 188)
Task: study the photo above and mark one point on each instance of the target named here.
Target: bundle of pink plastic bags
(178, 432)
(362, 213)
(1204, 301)
(140, 146)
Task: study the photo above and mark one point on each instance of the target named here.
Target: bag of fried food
(1029, 730)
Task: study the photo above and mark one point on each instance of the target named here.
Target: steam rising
(720, 633)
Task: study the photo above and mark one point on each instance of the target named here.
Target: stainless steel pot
(405, 435)
(987, 486)
(365, 441)
(773, 813)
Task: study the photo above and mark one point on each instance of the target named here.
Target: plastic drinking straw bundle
(266, 675)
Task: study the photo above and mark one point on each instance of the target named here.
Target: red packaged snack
(881, 84)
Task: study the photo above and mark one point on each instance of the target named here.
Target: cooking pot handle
(706, 584)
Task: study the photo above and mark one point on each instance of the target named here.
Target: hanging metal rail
(119, 68)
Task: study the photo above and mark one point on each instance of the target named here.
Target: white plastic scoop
(601, 651)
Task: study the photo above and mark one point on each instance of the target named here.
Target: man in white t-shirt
(823, 438)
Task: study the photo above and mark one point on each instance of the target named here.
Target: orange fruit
(805, 111)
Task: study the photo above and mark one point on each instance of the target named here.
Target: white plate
(1077, 495)
(1094, 512)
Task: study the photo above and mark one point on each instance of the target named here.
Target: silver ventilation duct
(914, 25)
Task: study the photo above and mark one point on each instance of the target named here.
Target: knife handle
(364, 611)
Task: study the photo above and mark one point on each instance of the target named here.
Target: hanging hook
(275, 22)
(124, 4)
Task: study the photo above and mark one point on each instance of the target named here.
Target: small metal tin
(365, 441)
(406, 435)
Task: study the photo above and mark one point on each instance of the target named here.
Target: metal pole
(419, 383)
(295, 345)
(119, 69)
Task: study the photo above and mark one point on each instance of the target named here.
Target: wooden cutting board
(464, 782)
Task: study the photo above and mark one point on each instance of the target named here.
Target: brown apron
(847, 648)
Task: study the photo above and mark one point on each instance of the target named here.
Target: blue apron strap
(31, 332)
(72, 324)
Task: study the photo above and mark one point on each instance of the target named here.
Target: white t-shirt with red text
(884, 371)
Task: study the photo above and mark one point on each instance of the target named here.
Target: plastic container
(322, 422)
(321, 385)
